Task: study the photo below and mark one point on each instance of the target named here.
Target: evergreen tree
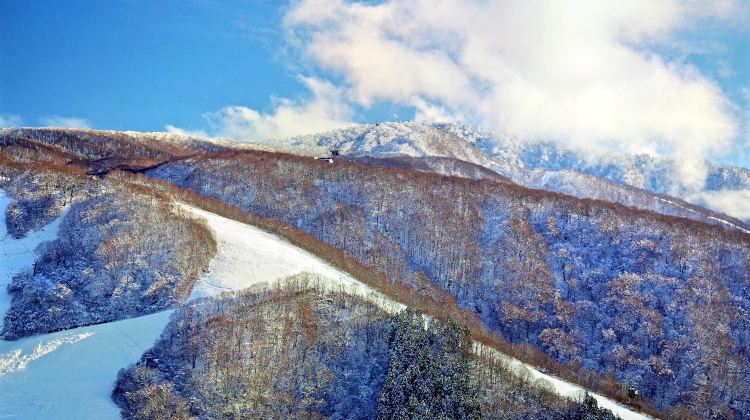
(429, 374)
(590, 410)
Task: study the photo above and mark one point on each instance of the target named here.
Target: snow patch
(15, 360)
(675, 204)
(728, 224)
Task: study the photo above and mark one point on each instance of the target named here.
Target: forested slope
(616, 294)
(524, 160)
(300, 352)
(596, 285)
(121, 251)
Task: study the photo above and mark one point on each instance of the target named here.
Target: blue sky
(268, 68)
(137, 64)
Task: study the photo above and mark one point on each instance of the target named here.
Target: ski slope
(68, 374)
(71, 374)
(247, 256)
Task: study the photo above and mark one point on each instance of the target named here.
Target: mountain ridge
(441, 148)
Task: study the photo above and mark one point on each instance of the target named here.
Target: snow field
(71, 374)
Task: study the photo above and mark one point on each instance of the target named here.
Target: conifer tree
(428, 375)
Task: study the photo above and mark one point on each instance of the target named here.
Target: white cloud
(10, 120)
(586, 71)
(58, 121)
(324, 110)
(183, 132)
(734, 203)
(425, 111)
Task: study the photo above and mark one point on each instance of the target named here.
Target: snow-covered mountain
(63, 374)
(572, 286)
(638, 181)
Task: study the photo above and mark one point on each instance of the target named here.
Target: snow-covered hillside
(67, 374)
(17, 254)
(247, 255)
(72, 372)
(633, 180)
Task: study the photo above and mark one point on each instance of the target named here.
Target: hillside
(375, 209)
(77, 384)
(336, 351)
(449, 149)
(107, 262)
(618, 299)
(613, 288)
(638, 181)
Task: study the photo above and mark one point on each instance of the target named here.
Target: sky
(666, 77)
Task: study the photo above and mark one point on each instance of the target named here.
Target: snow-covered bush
(41, 192)
(119, 253)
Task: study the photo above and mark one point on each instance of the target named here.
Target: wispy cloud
(324, 109)
(734, 203)
(10, 120)
(588, 72)
(58, 121)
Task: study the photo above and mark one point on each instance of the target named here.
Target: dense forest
(297, 351)
(595, 285)
(120, 252)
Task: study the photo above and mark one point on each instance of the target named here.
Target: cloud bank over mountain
(601, 76)
(586, 72)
